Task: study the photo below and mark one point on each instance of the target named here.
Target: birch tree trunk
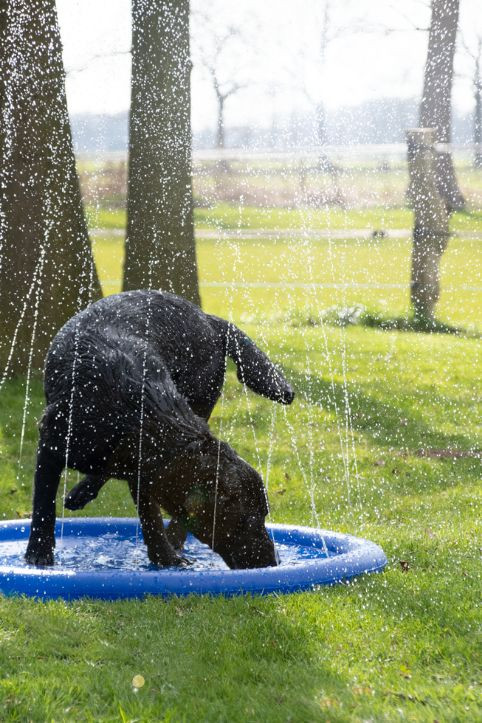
(160, 245)
(46, 267)
(436, 103)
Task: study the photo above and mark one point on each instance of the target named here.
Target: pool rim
(351, 557)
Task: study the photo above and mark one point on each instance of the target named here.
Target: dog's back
(178, 332)
(191, 344)
(101, 387)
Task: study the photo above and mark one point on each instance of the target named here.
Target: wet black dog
(130, 382)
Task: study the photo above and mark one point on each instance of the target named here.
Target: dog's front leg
(159, 549)
(40, 548)
(85, 491)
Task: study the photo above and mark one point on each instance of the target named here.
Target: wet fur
(164, 350)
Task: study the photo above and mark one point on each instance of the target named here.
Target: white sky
(280, 46)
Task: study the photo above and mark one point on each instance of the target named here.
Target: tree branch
(94, 58)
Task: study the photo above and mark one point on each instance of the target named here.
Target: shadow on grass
(374, 320)
(359, 315)
(223, 659)
(389, 425)
(472, 215)
(16, 473)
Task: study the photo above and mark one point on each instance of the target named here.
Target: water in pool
(114, 552)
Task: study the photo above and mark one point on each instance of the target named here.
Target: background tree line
(383, 120)
(47, 269)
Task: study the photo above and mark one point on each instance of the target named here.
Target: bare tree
(211, 47)
(326, 35)
(477, 88)
(46, 266)
(223, 91)
(436, 102)
(160, 245)
(307, 58)
(311, 86)
(474, 52)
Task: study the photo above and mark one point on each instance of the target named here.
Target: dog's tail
(253, 366)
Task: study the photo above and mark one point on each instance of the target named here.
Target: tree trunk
(220, 123)
(320, 124)
(46, 267)
(431, 224)
(160, 246)
(436, 103)
(478, 110)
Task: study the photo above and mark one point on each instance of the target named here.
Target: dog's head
(224, 504)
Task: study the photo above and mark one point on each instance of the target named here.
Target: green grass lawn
(397, 646)
(229, 217)
(261, 279)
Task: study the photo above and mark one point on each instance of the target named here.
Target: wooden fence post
(431, 223)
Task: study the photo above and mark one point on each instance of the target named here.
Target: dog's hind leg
(159, 549)
(176, 533)
(40, 548)
(85, 491)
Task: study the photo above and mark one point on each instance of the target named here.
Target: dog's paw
(172, 559)
(41, 555)
(184, 562)
(79, 496)
(180, 562)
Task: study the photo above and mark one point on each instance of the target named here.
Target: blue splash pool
(100, 557)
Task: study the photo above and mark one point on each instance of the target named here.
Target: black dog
(129, 383)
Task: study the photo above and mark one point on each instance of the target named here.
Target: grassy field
(287, 181)
(228, 217)
(263, 279)
(398, 646)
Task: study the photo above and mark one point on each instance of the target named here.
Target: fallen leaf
(138, 681)
(404, 565)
